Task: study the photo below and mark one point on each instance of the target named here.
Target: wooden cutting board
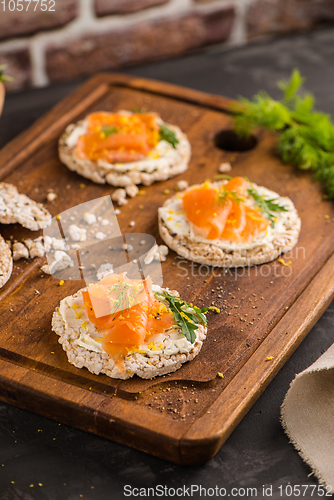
(266, 310)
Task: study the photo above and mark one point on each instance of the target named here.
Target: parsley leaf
(306, 136)
(108, 130)
(265, 205)
(187, 321)
(166, 134)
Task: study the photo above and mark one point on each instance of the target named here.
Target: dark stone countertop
(71, 464)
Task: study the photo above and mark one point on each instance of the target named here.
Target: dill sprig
(108, 130)
(166, 134)
(187, 321)
(225, 194)
(265, 205)
(125, 296)
(306, 136)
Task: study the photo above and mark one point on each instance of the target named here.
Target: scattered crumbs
(61, 282)
(219, 374)
(142, 242)
(117, 211)
(132, 223)
(51, 196)
(166, 191)
(224, 167)
(100, 236)
(215, 309)
(269, 358)
(37, 292)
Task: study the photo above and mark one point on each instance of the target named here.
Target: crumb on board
(224, 167)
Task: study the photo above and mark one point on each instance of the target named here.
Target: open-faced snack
(6, 262)
(124, 148)
(19, 208)
(229, 223)
(123, 327)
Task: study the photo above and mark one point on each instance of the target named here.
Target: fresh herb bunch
(306, 137)
(3, 77)
(266, 206)
(187, 321)
(166, 134)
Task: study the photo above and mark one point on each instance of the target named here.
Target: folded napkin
(308, 416)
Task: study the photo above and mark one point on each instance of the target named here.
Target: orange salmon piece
(131, 326)
(237, 184)
(235, 223)
(255, 224)
(202, 209)
(229, 219)
(131, 139)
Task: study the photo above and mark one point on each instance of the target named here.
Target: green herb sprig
(166, 134)
(125, 296)
(187, 321)
(266, 206)
(225, 194)
(306, 136)
(3, 77)
(108, 130)
(139, 111)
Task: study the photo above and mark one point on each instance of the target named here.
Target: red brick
(105, 7)
(17, 23)
(146, 41)
(284, 16)
(18, 66)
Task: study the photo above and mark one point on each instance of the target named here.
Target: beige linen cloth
(308, 416)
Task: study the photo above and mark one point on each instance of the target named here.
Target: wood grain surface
(265, 310)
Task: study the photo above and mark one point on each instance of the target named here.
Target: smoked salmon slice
(133, 312)
(202, 209)
(115, 137)
(222, 212)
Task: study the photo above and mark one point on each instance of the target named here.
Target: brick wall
(81, 37)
